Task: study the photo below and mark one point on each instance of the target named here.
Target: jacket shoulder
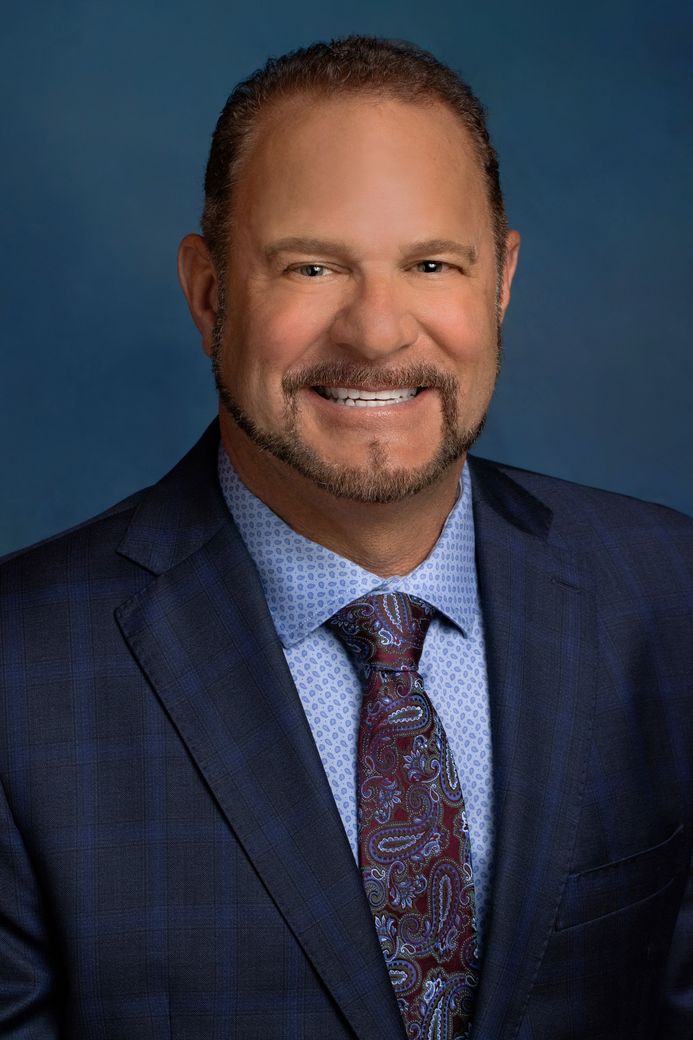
(563, 497)
(104, 557)
(605, 525)
(62, 556)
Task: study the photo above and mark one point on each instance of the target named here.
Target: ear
(512, 249)
(198, 279)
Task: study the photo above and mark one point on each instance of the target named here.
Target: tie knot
(385, 630)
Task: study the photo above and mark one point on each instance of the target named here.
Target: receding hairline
(300, 97)
(366, 68)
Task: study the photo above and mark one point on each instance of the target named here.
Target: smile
(367, 398)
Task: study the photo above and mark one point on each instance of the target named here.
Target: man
(338, 731)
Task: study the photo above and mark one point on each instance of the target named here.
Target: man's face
(357, 337)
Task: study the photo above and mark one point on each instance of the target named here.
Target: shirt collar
(305, 583)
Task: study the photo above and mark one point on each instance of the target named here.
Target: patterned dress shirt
(305, 584)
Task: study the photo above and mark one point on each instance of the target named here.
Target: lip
(356, 416)
(366, 389)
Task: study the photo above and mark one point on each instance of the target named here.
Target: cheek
(464, 330)
(268, 339)
(283, 334)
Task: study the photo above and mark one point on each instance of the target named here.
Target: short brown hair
(351, 65)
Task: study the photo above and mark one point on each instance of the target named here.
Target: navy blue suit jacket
(172, 864)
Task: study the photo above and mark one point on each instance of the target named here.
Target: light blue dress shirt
(305, 584)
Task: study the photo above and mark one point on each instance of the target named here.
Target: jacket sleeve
(29, 987)
(677, 1011)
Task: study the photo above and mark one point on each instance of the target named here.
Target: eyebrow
(431, 246)
(305, 245)
(333, 247)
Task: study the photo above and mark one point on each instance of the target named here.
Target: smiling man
(366, 275)
(339, 731)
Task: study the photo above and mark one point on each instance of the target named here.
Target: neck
(384, 538)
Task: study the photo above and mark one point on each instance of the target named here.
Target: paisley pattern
(413, 836)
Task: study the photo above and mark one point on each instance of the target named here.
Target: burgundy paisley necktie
(413, 837)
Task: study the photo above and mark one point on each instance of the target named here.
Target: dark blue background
(107, 114)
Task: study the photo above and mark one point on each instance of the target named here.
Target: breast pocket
(614, 886)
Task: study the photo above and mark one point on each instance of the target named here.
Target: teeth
(367, 398)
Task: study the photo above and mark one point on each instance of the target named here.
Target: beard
(377, 480)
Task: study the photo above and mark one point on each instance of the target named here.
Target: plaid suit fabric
(172, 863)
(623, 849)
(161, 925)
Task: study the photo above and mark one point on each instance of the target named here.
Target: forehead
(358, 159)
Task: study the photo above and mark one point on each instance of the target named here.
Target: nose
(375, 321)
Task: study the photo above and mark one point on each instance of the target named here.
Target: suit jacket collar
(181, 513)
(203, 636)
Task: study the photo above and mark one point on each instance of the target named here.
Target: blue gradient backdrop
(107, 114)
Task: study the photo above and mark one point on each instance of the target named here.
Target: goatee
(377, 480)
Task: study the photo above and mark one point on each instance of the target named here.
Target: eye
(312, 270)
(432, 266)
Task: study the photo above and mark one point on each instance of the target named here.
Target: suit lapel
(538, 618)
(203, 636)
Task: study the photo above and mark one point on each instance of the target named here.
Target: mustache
(363, 377)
